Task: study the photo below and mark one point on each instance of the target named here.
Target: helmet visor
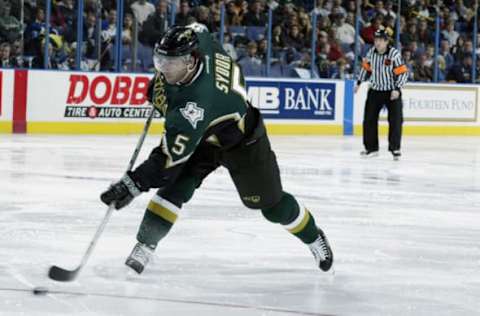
(168, 64)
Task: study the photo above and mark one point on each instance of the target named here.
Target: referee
(387, 74)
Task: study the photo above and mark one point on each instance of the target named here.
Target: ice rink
(406, 234)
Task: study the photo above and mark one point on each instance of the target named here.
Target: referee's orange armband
(366, 65)
(400, 70)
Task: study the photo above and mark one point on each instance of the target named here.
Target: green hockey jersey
(215, 95)
(211, 108)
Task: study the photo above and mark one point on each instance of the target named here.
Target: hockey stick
(59, 274)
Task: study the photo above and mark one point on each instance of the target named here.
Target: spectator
(296, 60)
(255, 16)
(424, 35)
(468, 47)
(389, 24)
(324, 24)
(422, 72)
(460, 8)
(407, 59)
(127, 32)
(466, 22)
(450, 34)
(337, 8)
(90, 33)
(283, 14)
(63, 16)
(459, 48)
(421, 9)
(379, 8)
(251, 64)
(345, 32)
(366, 6)
(70, 61)
(38, 61)
(389, 10)
(442, 67)
(234, 13)
(278, 40)
(323, 8)
(340, 71)
(335, 52)
(32, 33)
(461, 72)
(350, 19)
(228, 46)
(411, 35)
(305, 24)
(295, 39)
(413, 47)
(6, 61)
(109, 27)
(478, 44)
(202, 15)
(368, 32)
(10, 27)
(142, 9)
(351, 7)
(214, 20)
(155, 25)
(430, 54)
(445, 53)
(17, 53)
(447, 15)
(262, 50)
(184, 16)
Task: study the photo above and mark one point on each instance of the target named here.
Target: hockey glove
(121, 193)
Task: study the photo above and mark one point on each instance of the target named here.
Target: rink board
(430, 109)
(112, 103)
(6, 100)
(64, 102)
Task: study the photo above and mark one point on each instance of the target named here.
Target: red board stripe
(20, 101)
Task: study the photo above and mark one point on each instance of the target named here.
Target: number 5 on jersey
(179, 145)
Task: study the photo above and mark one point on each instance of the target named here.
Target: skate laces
(140, 253)
(320, 249)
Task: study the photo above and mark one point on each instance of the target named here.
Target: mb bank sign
(293, 99)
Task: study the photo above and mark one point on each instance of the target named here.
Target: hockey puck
(40, 290)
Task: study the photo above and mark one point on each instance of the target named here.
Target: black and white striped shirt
(385, 71)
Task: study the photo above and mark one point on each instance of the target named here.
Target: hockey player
(208, 123)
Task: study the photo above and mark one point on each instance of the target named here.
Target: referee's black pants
(375, 102)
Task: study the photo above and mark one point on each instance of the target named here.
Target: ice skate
(369, 153)
(322, 252)
(139, 258)
(396, 154)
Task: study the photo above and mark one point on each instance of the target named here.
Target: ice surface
(406, 235)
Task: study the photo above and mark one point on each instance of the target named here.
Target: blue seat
(236, 30)
(145, 55)
(255, 33)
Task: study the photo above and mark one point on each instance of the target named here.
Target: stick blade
(62, 275)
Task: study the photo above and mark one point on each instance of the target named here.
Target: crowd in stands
(22, 44)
